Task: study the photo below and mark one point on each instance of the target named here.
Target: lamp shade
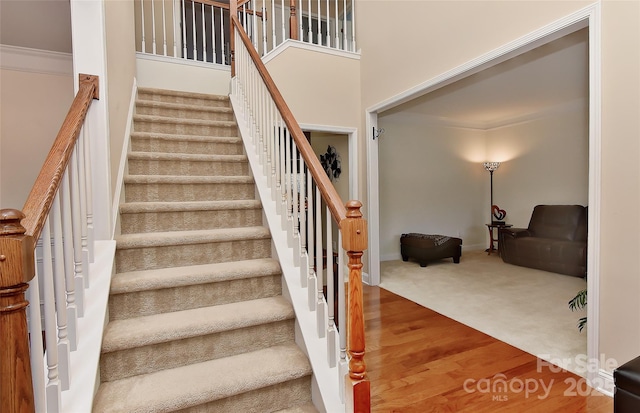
(491, 166)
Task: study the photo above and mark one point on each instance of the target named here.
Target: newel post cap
(354, 228)
(16, 250)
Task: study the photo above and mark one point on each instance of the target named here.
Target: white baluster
(284, 25)
(344, 24)
(273, 24)
(343, 364)
(174, 19)
(184, 31)
(331, 332)
(89, 188)
(36, 349)
(75, 299)
(264, 30)
(204, 34)
(320, 313)
(310, 38)
(53, 384)
(319, 18)
(82, 175)
(77, 228)
(164, 29)
(353, 27)
(153, 26)
(195, 38)
(311, 282)
(238, 40)
(60, 290)
(214, 58)
(328, 28)
(303, 224)
(144, 47)
(335, 28)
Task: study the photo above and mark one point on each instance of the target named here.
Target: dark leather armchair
(555, 240)
(626, 398)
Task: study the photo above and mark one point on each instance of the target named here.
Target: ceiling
(550, 76)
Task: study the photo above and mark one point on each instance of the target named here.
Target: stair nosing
(188, 157)
(182, 93)
(194, 206)
(161, 278)
(168, 238)
(173, 105)
(181, 121)
(188, 179)
(208, 381)
(187, 138)
(153, 329)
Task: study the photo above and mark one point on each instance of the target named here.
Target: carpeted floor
(524, 307)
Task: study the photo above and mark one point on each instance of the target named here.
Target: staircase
(197, 320)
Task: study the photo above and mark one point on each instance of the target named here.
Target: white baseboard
(604, 383)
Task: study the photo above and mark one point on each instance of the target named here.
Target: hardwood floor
(421, 361)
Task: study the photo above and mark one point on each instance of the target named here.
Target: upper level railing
(302, 189)
(44, 284)
(198, 30)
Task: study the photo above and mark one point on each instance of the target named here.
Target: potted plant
(577, 303)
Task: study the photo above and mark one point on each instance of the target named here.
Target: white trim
(298, 44)
(118, 196)
(589, 16)
(24, 59)
(373, 199)
(573, 106)
(181, 61)
(604, 383)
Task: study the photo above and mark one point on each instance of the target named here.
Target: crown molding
(24, 59)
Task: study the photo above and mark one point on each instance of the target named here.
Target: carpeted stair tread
(305, 408)
(173, 238)
(177, 325)
(163, 156)
(184, 106)
(155, 119)
(138, 207)
(187, 138)
(196, 384)
(178, 179)
(180, 93)
(127, 282)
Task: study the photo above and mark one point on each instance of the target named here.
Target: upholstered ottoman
(626, 398)
(424, 248)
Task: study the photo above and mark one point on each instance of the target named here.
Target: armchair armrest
(515, 232)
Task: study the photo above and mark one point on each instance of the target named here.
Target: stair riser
(268, 399)
(186, 100)
(143, 303)
(148, 359)
(184, 113)
(136, 223)
(193, 147)
(135, 192)
(187, 168)
(181, 128)
(137, 259)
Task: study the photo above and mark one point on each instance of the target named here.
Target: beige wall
(121, 70)
(544, 161)
(32, 108)
(438, 36)
(430, 181)
(320, 88)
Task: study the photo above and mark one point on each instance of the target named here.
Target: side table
(494, 241)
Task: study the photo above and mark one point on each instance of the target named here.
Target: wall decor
(331, 164)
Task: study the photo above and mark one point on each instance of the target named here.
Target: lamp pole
(491, 166)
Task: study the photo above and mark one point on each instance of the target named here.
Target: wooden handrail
(349, 219)
(328, 191)
(36, 208)
(18, 234)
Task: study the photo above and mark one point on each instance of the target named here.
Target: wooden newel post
(293, 21)
(16, 270)
(354, 241)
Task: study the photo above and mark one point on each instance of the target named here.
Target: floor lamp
(491, 166)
